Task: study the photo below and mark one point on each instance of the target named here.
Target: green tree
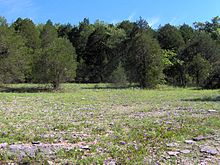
(170, 37)
(31, 35)
(56, 63)
(95, 55)
(142, 24)
(26, 28)
(118, 77)
(172, 66)
(48, 34)
(213, 81)
(210, 27)
(203, 45)
(79, 38)
(144, 61)
(64, 30)
(127, 26)
(101, 56)
(3, 21)
(13, 56)
(200, 69)
(187, 33)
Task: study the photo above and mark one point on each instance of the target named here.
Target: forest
(99, 52)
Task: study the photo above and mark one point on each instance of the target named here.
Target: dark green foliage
(28, 31)
(127, 26)
(210, 27)
(207, 49)
(64, 30)
(213, 81)
(31, 35)
(3, 21)
(13, 56)
(48, 34)
(56, 63)
(170, 37)
(79, 37)
(187, 33)
(142, 24)
(95, 56)
(199, 69)
(101, 55)
(202, 44)
(143, 63)
(129, 51)
(118, 77)
(172, 66)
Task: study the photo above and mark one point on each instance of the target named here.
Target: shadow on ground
(205, 99)
(5, 89)
(110, 87)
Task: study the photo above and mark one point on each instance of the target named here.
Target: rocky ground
(90, 126)
(199, 150)
(203, 150)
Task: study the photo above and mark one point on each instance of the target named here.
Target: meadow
(101, 124)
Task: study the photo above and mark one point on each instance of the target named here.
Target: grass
(127, 125)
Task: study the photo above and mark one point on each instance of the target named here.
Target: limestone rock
(209, 150)
(185, 151)
(173, 153)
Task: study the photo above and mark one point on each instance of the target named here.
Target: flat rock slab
(110, 162)
(209, 150)
(122, 143)
(200, 138)
(35, 142)
(173, 153)
(3, 145)
(172, 145)
(32, 150)
(85, 147)
(189, 141)
(185, 151)
(212, 111)
(22, 150)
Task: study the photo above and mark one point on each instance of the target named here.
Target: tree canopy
(100, 52)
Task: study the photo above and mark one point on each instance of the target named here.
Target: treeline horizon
(126, 52)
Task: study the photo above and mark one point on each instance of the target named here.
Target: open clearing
(96, 124)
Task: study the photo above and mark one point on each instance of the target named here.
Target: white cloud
(174, 20)
(115, 21)
(153, 21)
(131, 16)
(18, 8)
(178, 20)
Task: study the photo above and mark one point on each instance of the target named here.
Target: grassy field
(97, 124)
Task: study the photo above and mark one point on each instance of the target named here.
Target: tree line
(128, 52)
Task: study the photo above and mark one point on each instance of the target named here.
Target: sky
(156, 12)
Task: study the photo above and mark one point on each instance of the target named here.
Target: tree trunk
(55, 85)
(56, 82)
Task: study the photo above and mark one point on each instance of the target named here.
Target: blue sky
(156, 12)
